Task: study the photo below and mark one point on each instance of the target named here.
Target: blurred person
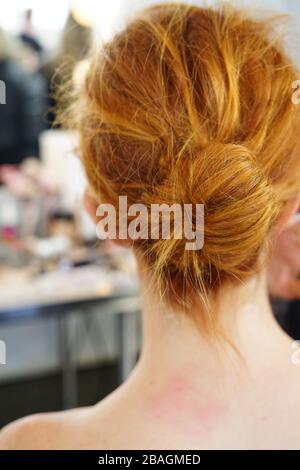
(74, 46)
(193, 105)
(284, 268)
(284, 277)
(21, 117)
(28, 35)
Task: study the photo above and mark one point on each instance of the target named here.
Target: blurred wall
(130, 6)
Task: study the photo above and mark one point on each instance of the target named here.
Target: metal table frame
(124, 307)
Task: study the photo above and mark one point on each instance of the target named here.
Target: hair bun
(239, 205)
(239, 208)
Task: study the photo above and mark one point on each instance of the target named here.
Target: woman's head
(194, 106)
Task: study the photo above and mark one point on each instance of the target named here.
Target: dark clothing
(32, 42)
(21, 118)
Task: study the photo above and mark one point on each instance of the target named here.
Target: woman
(188, 106)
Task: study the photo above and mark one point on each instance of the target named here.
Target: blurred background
(69, 303)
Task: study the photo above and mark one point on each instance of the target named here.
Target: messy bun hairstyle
(194, 105)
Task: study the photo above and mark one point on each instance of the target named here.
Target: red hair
(193, 105)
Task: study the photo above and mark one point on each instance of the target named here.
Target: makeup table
(65, 293)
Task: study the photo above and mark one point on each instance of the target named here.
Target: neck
(172, 343)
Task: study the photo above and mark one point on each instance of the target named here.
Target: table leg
(69, 372)
(127, 344)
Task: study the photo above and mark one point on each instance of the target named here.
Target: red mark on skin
(263, 418)
(185, 406)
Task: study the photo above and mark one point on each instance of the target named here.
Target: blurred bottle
(9, 216)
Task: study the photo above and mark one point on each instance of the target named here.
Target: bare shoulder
(44, 431)
(80, 428)
(94, 427)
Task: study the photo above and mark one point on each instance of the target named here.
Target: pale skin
(186, 393)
